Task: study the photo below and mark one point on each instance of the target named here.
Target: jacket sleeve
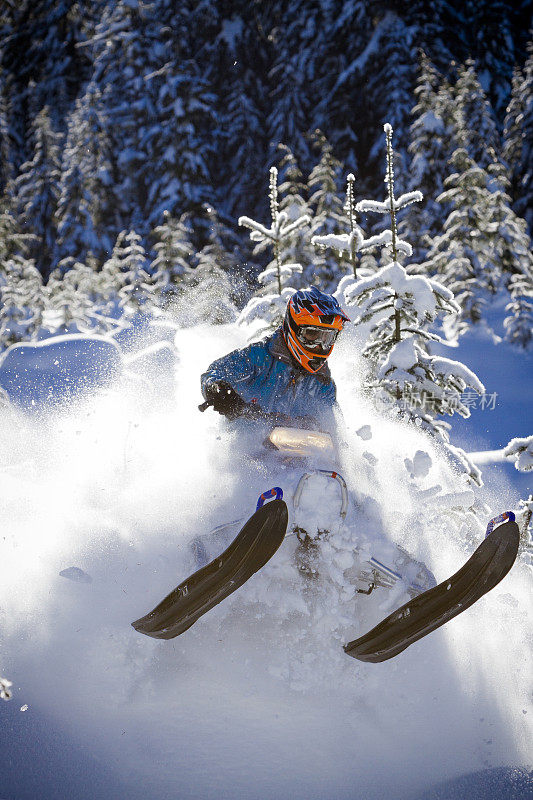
(235, 368)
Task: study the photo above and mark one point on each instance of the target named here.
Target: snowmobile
(303, 460)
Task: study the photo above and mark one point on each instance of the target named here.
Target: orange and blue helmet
(313, 321)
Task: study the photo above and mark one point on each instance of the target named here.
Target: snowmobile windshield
(320, 339)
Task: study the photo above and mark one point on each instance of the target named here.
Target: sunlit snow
(258, 699)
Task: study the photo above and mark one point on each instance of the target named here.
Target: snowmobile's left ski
(488, 565)
(250, 550)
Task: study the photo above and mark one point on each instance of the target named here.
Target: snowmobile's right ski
(488, 565)
(250, 550)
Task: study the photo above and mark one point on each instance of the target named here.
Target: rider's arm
(234, 369)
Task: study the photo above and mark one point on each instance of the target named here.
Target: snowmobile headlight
(300, 442)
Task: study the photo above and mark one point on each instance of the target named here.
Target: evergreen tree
(493, 48)
(129, 71)
(111, 280)
(345, 245)
(295, 248)
(36, 192)
(137, 291)
(44, 61)
(339, 70)
(519, 324)
(86, 218)
(242, 90)
(209, 299)
(391, 76)
(518, 139)
(289, 115)
(268, 307)
(72, 302)
(431, 144)
(327, 214)
(13, 242)
(184, 144)
(481, 238)
(398, 309)
(173, 262)
(476, 126)
(6, 164)
(22, 301)
(244, 151)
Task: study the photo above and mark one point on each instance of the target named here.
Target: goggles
(314, 338)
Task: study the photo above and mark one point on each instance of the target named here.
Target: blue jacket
(265, 374)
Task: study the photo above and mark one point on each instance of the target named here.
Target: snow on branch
(280, 231)
(342, 242)
(389, 239)
(384, 239)
(285, 271)
(5, 689)
(384, 207)
(522, 452)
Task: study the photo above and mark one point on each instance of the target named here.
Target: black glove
(225, 399)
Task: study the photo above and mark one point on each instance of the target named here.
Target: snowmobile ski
(253, 546)
(488, 565)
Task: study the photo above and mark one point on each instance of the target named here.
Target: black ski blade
(253, 546)
(488, 565)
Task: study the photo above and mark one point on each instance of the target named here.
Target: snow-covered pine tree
(243, 52)
(289, 100)
(346, 245)
(36, 191)
(518, 139)
(208, 298)
(295, 248)
(72, 301)
(6, 163)
(476, 128)
(137, 294)
(391, 75)
(111, 280)
(183, 144)
(13, 241)
(327, 214)
(494, 47)
(388, 240)
(431, 143)
(172, 266)
(339, 69)
(267, 308)
(511, 241)
(41, 54)
(399, 309)
(482, 243)
(87, 220)
(519, 322)
(22, 301)
(152, 100)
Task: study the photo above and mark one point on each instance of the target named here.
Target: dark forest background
(131, 114)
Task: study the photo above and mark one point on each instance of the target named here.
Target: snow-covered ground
(257, 700)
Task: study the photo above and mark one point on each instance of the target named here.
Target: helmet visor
(319, 339)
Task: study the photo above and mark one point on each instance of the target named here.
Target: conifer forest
(134, 135)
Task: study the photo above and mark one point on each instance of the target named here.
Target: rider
(286, 373)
